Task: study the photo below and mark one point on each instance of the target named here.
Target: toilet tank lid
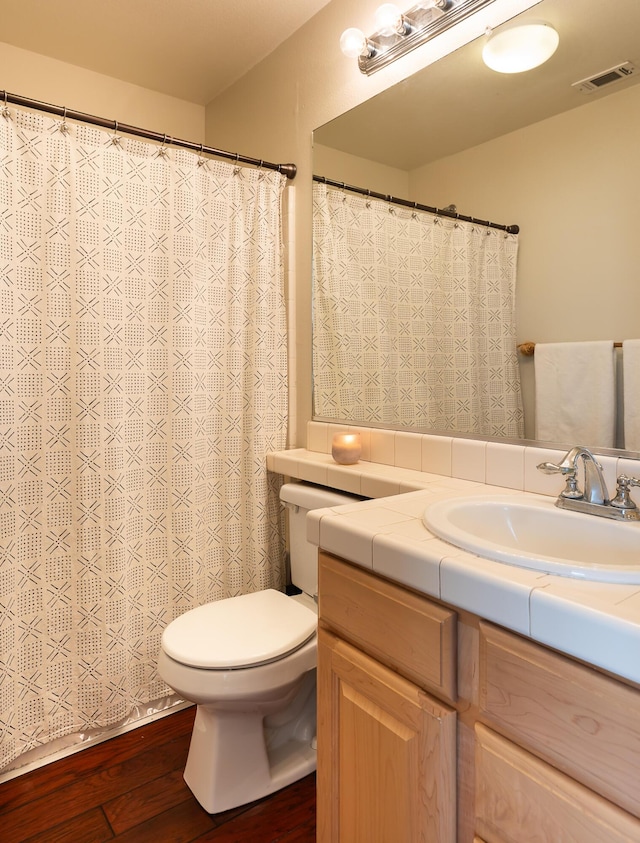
(239, 631)
(313, 497)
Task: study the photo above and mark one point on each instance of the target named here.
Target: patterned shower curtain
(142, 380)
(414, 318)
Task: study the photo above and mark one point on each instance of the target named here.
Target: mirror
(531, 149)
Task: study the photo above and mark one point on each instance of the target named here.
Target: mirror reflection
(534, 149)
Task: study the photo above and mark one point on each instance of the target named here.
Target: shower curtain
(143, 377)
(414, 318)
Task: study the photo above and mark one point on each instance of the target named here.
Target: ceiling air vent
(600, 80)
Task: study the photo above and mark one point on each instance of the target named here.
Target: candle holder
(346, 448)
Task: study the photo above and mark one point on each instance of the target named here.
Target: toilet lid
(239, 631)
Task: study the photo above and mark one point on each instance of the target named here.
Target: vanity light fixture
(399, 32)
(520, 47)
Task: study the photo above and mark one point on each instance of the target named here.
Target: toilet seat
(238, 632)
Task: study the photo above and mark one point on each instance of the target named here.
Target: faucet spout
(595, 488)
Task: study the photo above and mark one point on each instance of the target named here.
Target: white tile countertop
(596, 622)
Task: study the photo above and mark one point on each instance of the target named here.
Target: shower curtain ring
(162, 151)
(5, 109)
(201, 161)
(115, 140)
(64, 128)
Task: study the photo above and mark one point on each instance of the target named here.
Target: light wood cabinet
(386, 746)
(436, 726)
(386, 750)
(409, 633)
(520, 799)
(581, 721)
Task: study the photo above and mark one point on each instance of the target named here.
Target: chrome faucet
(594, 498)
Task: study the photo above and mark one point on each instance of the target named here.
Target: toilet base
(236, 757)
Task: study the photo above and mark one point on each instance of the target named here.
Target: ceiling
(458, 103)
(191, 49)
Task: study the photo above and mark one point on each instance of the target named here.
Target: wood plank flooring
(130, 790)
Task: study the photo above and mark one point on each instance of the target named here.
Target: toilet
(249, 663)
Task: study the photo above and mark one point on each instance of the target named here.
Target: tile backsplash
(494, 463)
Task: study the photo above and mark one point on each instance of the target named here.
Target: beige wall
(572, 185)
(358, 172)
(272, 111)
(38, 77)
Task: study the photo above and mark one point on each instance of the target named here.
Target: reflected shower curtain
(414, 318)
(142, 380)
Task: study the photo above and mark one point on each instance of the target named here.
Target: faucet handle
(553, 468)
(622, 499)
(568, 471)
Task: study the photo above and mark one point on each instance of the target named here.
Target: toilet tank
(300, 498)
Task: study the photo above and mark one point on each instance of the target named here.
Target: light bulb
(389, 19)
(353, 43)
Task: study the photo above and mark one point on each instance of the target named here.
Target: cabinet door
(584, 723)
(386, 753)
(520, 799)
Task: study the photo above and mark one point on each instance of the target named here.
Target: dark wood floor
(130, 789)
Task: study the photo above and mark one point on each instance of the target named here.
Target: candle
(346, 448)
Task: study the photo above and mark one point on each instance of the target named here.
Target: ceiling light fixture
(399, 32)
(520, 47)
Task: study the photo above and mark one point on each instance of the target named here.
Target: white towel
(575, 393)
(631, 389)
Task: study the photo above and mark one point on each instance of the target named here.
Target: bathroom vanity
(462, 700)
(434, 725)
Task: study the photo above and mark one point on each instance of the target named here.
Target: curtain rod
(289, 170)
(441, 212)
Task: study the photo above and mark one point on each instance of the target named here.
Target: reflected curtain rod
(394, 200)
(288, 170)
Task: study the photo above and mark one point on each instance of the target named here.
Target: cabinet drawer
(403, 630)
(585, 723)
(520, 799)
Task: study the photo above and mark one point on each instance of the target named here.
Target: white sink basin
(531, 532)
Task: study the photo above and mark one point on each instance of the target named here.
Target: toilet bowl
(249, 662)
